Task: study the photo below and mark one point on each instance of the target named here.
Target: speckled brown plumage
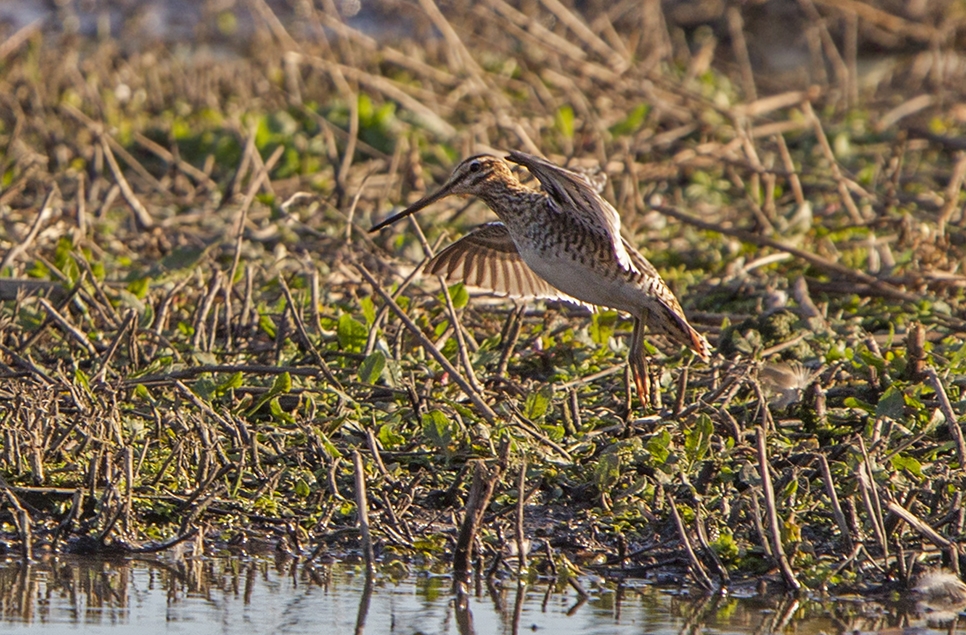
(561, 242)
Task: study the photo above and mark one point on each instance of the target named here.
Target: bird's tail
(698, 343)
(668, 321)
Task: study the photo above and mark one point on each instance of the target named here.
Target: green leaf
(368, 310)
(302, 489)
(790, 489)
(351, 333)
(852, 402)
(437, 429)
(278, 413)
(697, 441)
(365, 108)
(608, 470)
(892, 404)
(204, 387)
(143, 393)
(267, 325)
(725, 546)
(233, 381)
(459, 294)
(389, 438)
(62, 253)
(602, 326)
(632, 123)
(555, 432)
(329, 447)
(81, 378)
(658, 446)
(281, 385)
(371, 368)
(538, 403)
(139, 287)
(433, 543)
(37, 270)
(564, 120)
(907, 463)
(183, 258)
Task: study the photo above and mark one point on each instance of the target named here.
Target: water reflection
(233, 595)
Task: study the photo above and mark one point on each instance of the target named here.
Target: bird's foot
(642, 379)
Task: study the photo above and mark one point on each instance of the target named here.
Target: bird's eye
(476, 166)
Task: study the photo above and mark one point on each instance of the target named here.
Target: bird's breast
(583, 274)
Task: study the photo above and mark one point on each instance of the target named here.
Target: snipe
(563, 242)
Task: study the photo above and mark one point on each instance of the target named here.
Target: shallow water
(236, 595)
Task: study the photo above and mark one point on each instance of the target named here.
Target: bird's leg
(638, 363)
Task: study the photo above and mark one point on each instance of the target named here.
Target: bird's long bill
(412, 209)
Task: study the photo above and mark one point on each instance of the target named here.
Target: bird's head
(472, 176)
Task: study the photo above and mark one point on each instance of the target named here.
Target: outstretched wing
(572, 191)
(488, 259)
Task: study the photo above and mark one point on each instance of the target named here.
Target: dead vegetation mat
(200, 340)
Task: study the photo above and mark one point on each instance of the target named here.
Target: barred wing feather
(487, 258)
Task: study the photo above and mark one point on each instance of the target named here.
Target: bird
(560, 242)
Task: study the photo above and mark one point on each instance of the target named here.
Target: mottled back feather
(569, 190)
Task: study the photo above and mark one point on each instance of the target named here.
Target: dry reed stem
(519, 530)
(27, 365)
(389, 53)
(304, 335)
(392, 90)
(884, 19)
(837, 512)
(923, 529)
(903, 110)
(843, 186)
(461, 348)
(870, 500)
(78, 336)
(99, 130)
(509, 338)
(828, 45)
(481, 490)
(22, 522)
(241, 219)
(723, 576)
(740, 49)
(534, 431)
(362, 508)
(580, 29)
(768, 493)
(468, 390)
(384, 310)
(697, 569)
(170, 377)
(540, 33)
(953, 189)
(952, 421)
(200, 176)
(142, 217)
(46, 211)
(13, 288)
(461, 61)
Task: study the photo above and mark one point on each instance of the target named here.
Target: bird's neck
(510, 200)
